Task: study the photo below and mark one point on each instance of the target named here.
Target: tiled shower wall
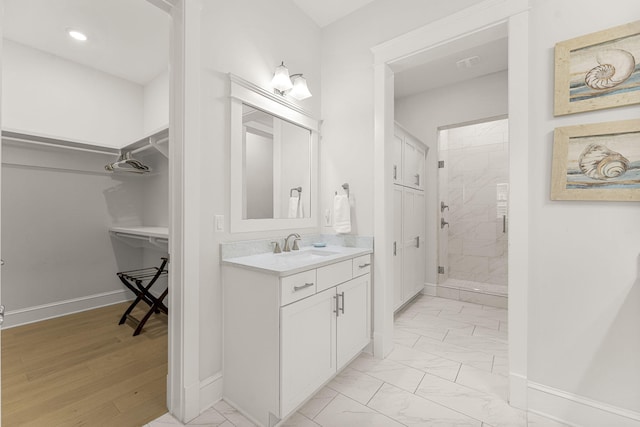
(476, 174)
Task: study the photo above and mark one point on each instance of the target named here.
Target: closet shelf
(45, 140)
(140, 235)
(156, 140)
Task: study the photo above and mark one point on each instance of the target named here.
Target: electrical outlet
(219, 223)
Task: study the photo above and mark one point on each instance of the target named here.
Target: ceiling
(437, 67)
(118, 31)
(325, 12)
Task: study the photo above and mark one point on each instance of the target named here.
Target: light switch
(219, 223)
(327, 217)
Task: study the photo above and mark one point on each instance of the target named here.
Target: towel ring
(298, 189)
(345, 187)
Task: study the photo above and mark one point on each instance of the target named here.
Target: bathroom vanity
(292, 321)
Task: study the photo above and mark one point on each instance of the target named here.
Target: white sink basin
(309, 253)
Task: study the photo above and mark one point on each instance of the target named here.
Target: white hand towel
(341, 214)
(300, 210)
(294, 202)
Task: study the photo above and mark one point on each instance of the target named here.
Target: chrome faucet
(295, 242)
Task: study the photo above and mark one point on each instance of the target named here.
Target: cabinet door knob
(364, 265)
(395, 172)
(417, 179)
(342, 308)
(417, 241)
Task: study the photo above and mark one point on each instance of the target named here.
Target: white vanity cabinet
(286, 336)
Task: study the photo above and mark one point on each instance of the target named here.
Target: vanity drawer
(334, 274)
(361, 265)
(298, 286)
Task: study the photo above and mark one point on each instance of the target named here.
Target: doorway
(443, 34)
(88, 143)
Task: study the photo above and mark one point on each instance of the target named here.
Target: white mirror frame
(244, 92)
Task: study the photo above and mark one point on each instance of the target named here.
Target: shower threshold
(489, 294)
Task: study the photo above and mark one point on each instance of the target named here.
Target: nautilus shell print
(599, 162)
(615, 66)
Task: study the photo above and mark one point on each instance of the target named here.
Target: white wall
(57, 206)
(248, 38)
(584, 297)
(347, 96)
(258, 176)
(423, 113)
(46, 94)
(156, 103)
(584, 291)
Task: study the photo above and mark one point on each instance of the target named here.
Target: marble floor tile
(446, 323)
(355, 385)
(412, 410)
(405, 338)
(474, 319)
(230, 413)
(535, 420)
(421, 328)
(481, 380)
(500, 366)
(456, 353)
(397, 374)
(318, 402)
(435, 365)
(485, 345)
(298, 420)
(342, 412)
(479, 405)
(211, 418)
(496, 334)
(483, 310)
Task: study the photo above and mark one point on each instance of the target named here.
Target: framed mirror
(273, 161)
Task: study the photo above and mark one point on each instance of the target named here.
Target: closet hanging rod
(52, 144)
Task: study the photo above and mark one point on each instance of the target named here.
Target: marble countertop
(288, 263)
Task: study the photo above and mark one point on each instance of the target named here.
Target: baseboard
(63, 308)
(430, 289)
(518, 391)
(576, 410)
(210, 391)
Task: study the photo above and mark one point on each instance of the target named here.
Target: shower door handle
(443, 223)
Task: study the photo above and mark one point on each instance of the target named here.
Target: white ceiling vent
(469, 62)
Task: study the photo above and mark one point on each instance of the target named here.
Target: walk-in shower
(473, 208)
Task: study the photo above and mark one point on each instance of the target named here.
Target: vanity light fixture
(294, 85)
(77, 35)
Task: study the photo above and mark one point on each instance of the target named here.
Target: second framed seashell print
(598, 161)
(599, 70)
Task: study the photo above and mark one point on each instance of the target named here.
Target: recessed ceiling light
(77, 35)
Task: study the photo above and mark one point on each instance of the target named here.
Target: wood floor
(84, 370)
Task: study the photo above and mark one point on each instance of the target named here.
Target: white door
(307, 347)
(353, 323)
(397, 246)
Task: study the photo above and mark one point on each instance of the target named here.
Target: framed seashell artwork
(599, 161)
(598, 70)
